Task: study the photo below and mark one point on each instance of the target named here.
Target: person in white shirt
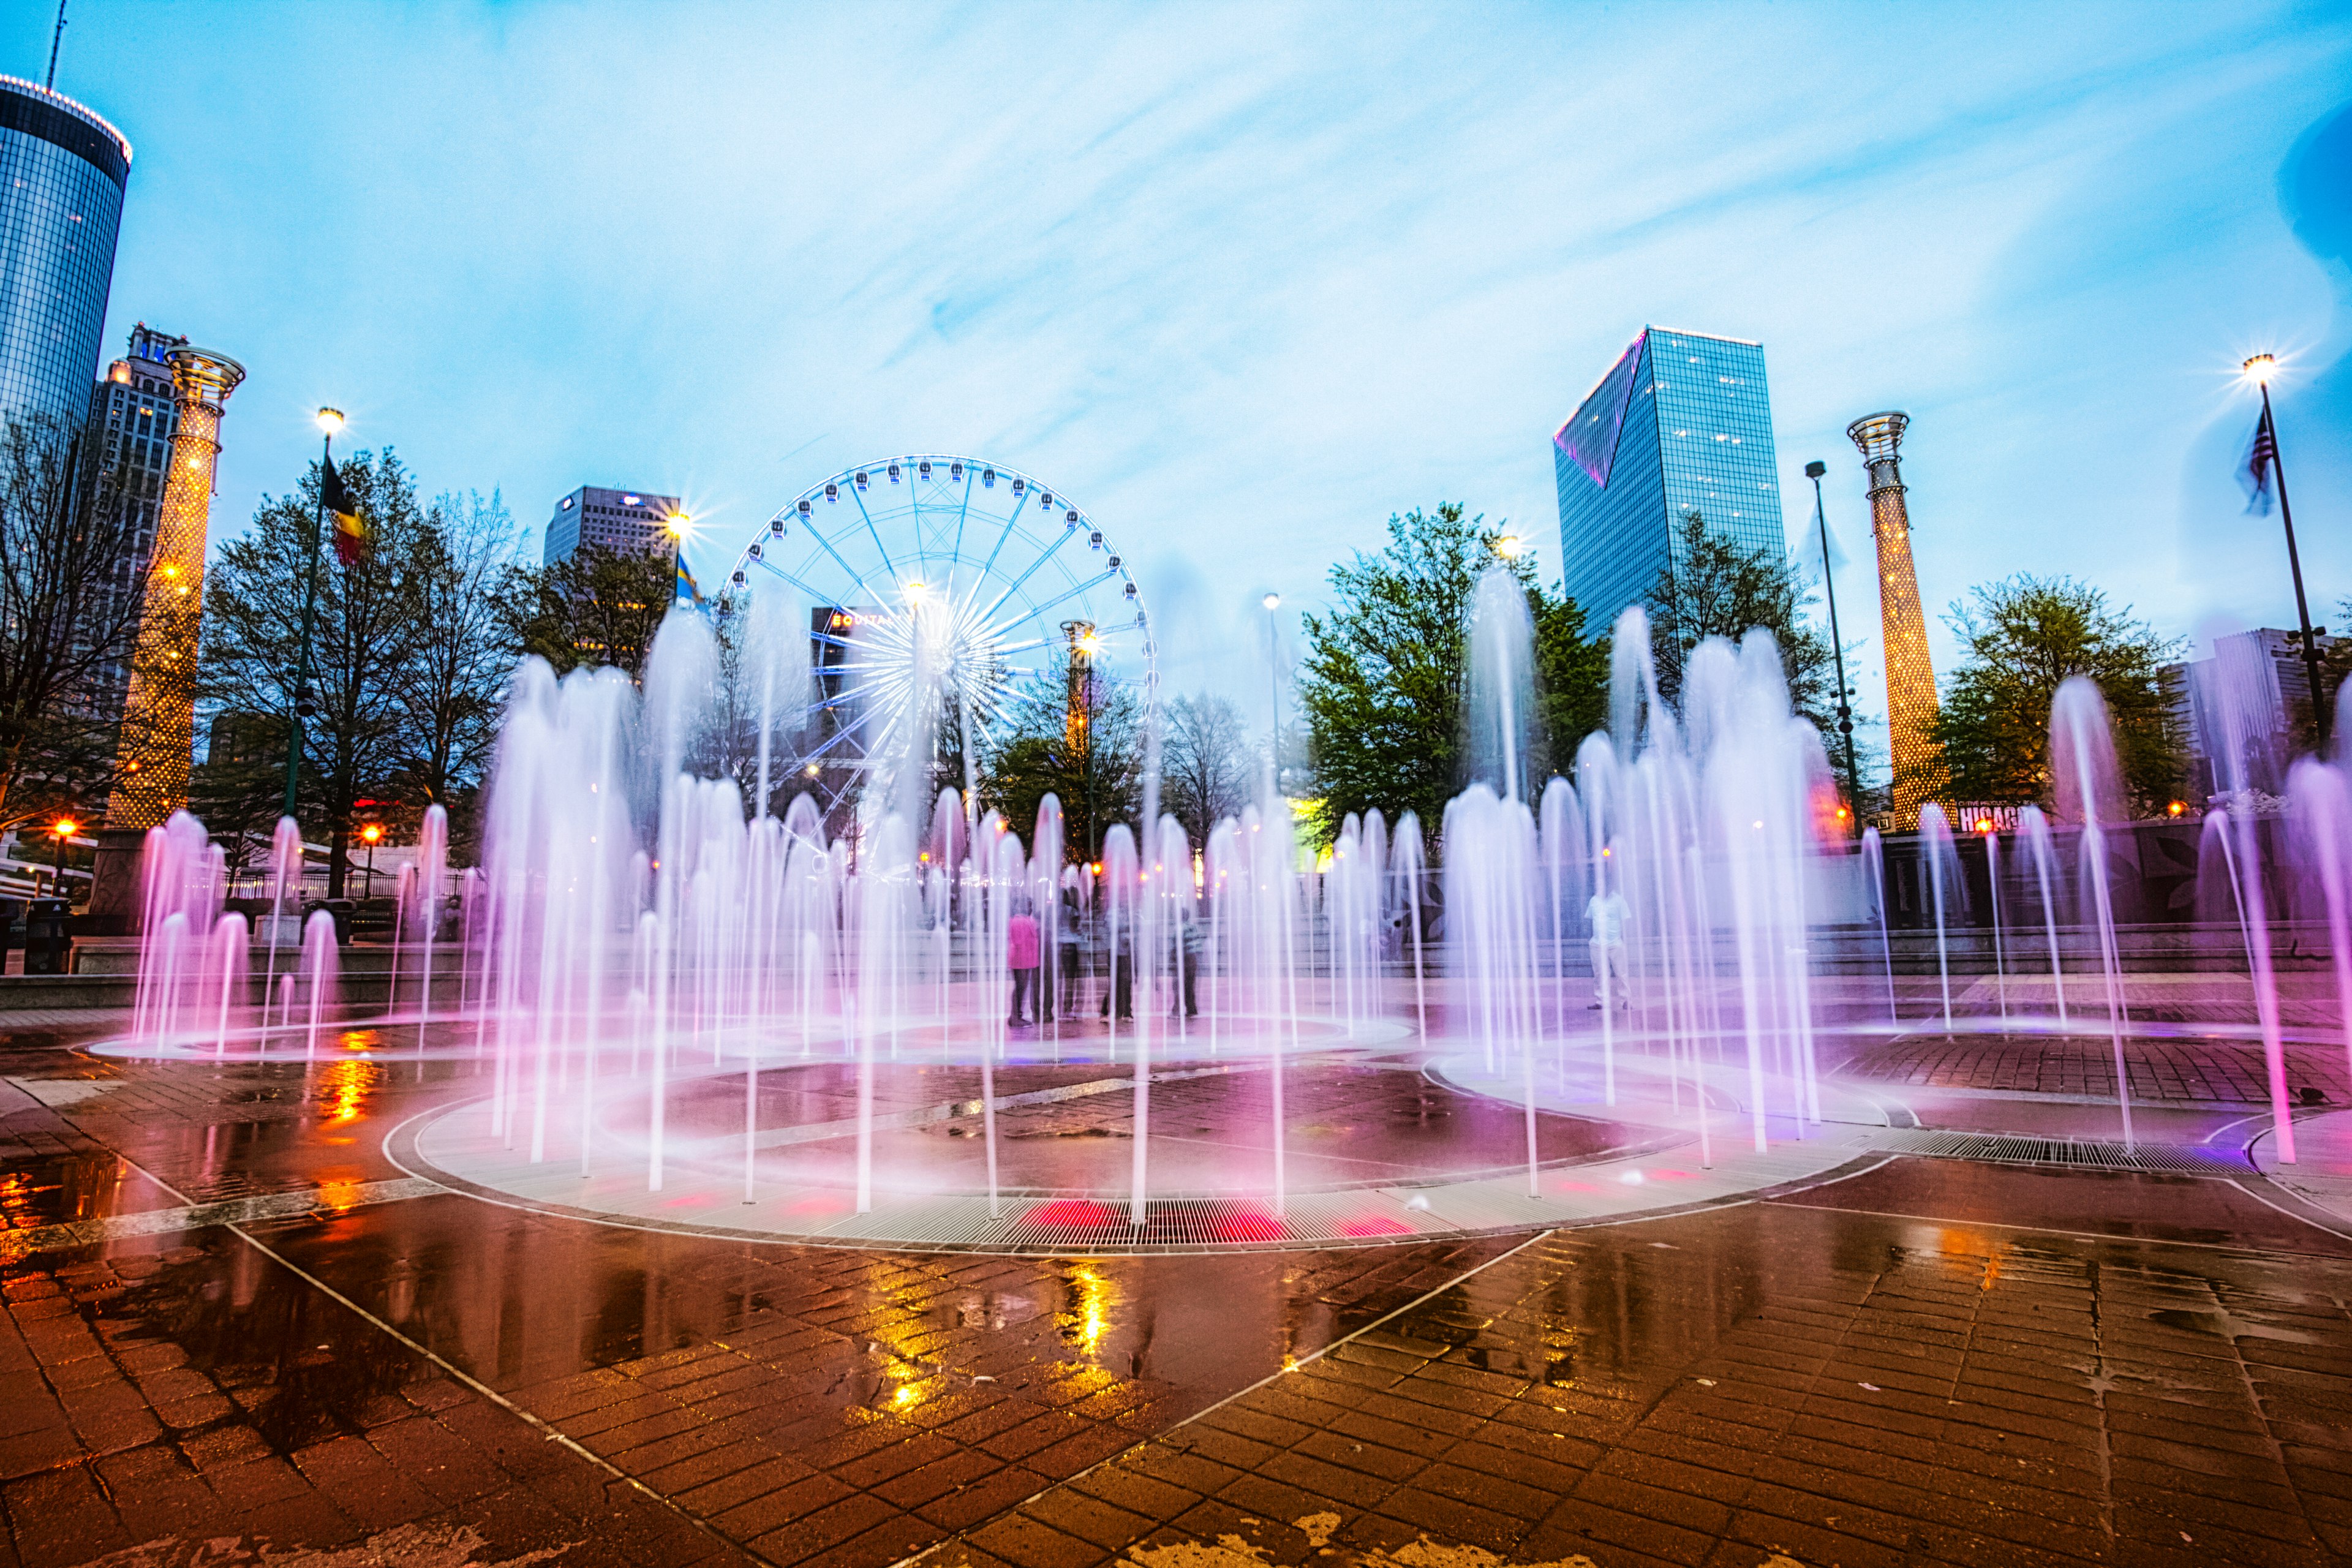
(1606, 913)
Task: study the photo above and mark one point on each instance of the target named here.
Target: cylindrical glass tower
(62, 171)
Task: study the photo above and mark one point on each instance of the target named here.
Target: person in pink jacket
(1021, 957)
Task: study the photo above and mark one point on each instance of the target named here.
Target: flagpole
(331, 421)
(2319, 697)
(1814, 472)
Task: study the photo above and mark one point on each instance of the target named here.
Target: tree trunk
(339, 842)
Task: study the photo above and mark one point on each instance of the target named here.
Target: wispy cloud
(1245, 280)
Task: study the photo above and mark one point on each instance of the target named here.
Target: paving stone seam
(1316, 1355)
(467, 1380)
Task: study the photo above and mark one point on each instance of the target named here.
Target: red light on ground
(1076, 1214)
(1376, 1225)
(1248, 1226)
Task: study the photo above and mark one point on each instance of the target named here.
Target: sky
(1244, 281)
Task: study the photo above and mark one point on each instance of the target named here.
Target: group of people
(1048, 977)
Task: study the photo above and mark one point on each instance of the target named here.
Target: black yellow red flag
(350, 530)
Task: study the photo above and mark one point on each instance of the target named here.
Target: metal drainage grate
(2009, 1148)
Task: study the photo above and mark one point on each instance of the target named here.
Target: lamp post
(2259, 369)
(330, 421)
(1273, 602)
(1814, 472)
(369, 835)
(63, 830)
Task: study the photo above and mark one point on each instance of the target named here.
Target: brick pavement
(2160, 1069)
(1725, 1388)
(1891, 1393)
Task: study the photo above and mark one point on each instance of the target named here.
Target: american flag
(2261, 458)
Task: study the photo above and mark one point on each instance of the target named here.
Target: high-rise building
(62, 171)
(1911, 701)
(1681, 424)
(620, 521)
(132, 417)
(2242, 714)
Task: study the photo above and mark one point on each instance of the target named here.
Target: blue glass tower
(1682, 423)
(62, 171)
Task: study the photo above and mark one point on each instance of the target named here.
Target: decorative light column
(158, 742)
(1911, 703)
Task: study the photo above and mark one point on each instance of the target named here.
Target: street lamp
(64, 828)
(2259, 369)
(1510, 546)
(1273, 602)
(1814, 472)
(369, 835)
(331, 421)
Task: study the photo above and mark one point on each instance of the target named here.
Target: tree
(1204, 764)
(1383, 681)
(239, 791)
(1076, 734)
(1718, 588)
(369, 618)
(73, 577)
(450, 684)
(596, 607)
(2020, 638)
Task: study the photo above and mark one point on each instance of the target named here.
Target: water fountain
(661, 996)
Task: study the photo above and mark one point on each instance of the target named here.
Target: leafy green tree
(1077, 735)
(1715, 586)
(2020, 638)
(1382, 686)
(368, 617)
(598, 606)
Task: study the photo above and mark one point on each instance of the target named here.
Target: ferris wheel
(934, 581)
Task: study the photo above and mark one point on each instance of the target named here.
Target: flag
(350, 530)
(2262, 457)
(688, 591)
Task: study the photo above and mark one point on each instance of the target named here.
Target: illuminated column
(1902, 627)
(1078, 702)
(159, 721)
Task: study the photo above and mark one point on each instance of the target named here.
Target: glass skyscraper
(62, 171)
(1682, 423)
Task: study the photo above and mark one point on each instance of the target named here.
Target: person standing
(1021, 957)
(1069, 952)
(1605, 914)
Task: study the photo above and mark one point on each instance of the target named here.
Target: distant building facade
(132, 417)
(62, 174)
(1681, 423)
(2242, 714)
(623, 521)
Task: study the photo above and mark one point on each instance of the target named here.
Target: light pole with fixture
(370, 836)
(64, 830)
(330, 421)
(2259, 369)
(1814, 472)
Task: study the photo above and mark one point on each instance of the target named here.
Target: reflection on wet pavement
(1927, 1361)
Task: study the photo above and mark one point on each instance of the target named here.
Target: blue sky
(1244, 281)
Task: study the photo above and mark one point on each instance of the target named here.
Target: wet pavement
(1915, 1360)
